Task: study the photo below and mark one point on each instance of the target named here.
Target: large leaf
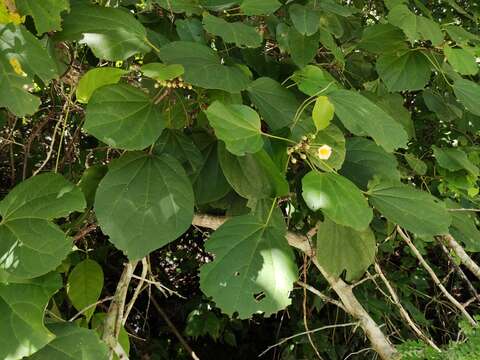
(454, 159)
(181, 6)
(22, 332)
(306, 19)
(112, 34)
(414, 26)
(253, 269)
(84, 286)
(72, 343)
(276, 104)
(203, 67)
(45, 13)
(144, 202)
(416, 211)
(461, 60)
(361, 116)
(253, 176)
(405, 71)
(45, 196)
(237, 125)
(365, 159)
(124, 117)
(238, 33)
(210, 183)
(468, 93)
(302, 48)
(382, 38)
(259, 7)
(96, 78)
(338, 198)
(341, 248)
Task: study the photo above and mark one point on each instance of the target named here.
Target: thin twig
(403, 312)
(434, 277)
(174, 330)
(90, 306)
(284, 340)
(138, 289)
(321, 295)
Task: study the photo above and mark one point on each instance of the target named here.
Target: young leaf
(416, 211)
(253, 270)
(338, 198)
(84, 286)
(237, 125)
(144, 202)
(417, 165)
(341, 248)
(124, 117)
(21, 314)
(162, 72)
(276, 104)
(111, 33)
(361, 116)
(313, 80)
(238, 33)
(323, 112)
(96, 78)
(203, 67)
(72, 342)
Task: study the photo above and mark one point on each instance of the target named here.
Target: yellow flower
(324, 152)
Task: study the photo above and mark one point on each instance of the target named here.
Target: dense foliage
(239, 178)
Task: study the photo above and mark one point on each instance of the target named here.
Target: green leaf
(259, 7)
(329, 43)
(45, 196)
(181, 6)
(97, 324)
(417, 165)
(45, 13)
(302, 48)
(341, 248)
(461, 60)
(415, 210)
(253, 268)
(89, 181)
(305, 19)
(96, 78)
(414, 26)
(405, 71)
(84, 286)
(463, 227)
(144, 202)
(124, 117)
(313, 80)
(181, 147)
(200, 63)
(72, 342)
(25, 241)
(365, 159)
(382, 39)
(238, 33)
(162, 72)
(323, 112)
(454, 159)
(338, 198)
(276, 104)
(112, 34)
(210, 184)
(21, 314)
(237, 125)
(190, 30)
(468, 93)
(253, 176)
(361, 116)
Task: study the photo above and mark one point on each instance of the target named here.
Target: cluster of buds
(173, 84)
(305, 147)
